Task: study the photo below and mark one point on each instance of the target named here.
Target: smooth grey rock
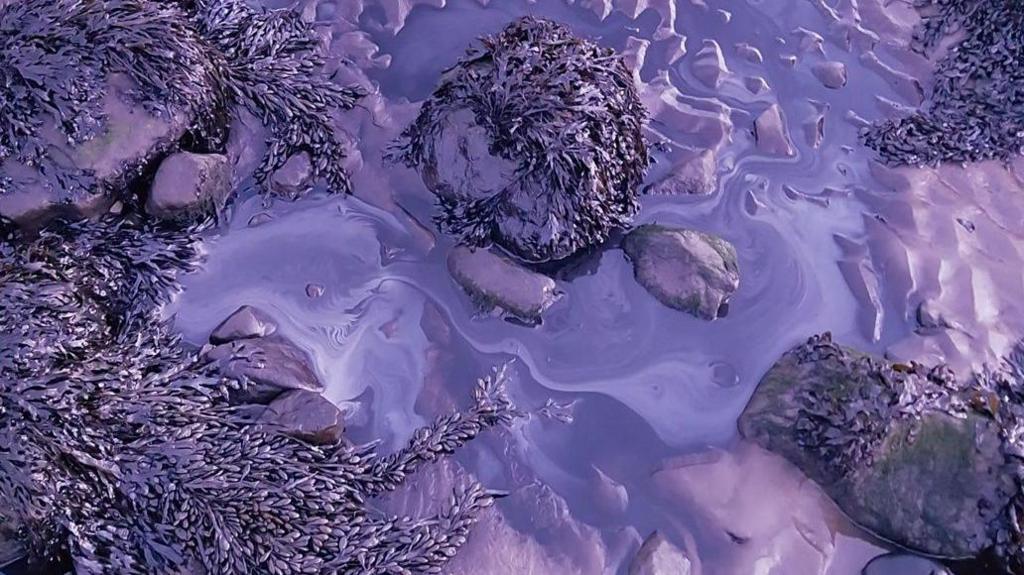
(657, 556)
(936, 481)
(772, 134)
(684, 269)
(306, 415)
(133, 138)
(272, 364)
(694, 174)
(294, 177)
(243, 323)
(709, 66)
(187, 183)
(902, 564)
(496, 281)
(831, 74)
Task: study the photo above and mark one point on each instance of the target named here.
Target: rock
(306, 415)
(610, 496)
(273, 365)
(756, 84)
(684, 269)
(245, 322)
(293, 178)
(658, 556)
(831, 74)
(902, 564)
(496, 281)
(695, 173)
(708, 65)
(187, 183)
(772, 134)
(505, 167)
(132, 139)
(749, 53)
(892, 447)
(931, 316)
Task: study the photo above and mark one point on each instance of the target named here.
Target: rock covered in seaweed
(684, 269)
(908, 452)
(975, 110)
(533, 141)
(120, 451)
(179, 67)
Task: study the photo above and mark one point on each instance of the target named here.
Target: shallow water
(361, 283)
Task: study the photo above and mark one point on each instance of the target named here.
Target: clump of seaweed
(198, 58)
(121, 452)
(846, 434)
(976, 107)
(566, 113)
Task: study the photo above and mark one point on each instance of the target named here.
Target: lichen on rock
(546, 132)
(912, 453)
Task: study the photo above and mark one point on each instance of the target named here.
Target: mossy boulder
(684, 269)
(898, 447)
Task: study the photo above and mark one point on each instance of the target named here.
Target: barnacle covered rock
(976, 107)
(122, 452)
(533, 141)
(911, 453)
(91, 91)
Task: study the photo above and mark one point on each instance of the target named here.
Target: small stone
(788, 60)
(314, 291)
(749, 53)
(496, 281)
(293, 178)
(658, 556)
(756, 84)
(245, 322)
(684, 269)
(695, 173)
(709, 64)
(187, 183)
(260, 219)
(306, 415)
(273, 365)
(831, 74)
(771, 133)
(931, 316)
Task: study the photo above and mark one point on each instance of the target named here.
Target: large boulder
(535, 141)
(908, 452)
(494, 281)
(132, 138)
(684, 269)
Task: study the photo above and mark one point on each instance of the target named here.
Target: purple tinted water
(650, 395)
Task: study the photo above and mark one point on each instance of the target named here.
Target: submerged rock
(658, 556)
(772, 134)
(546, 172)
(901, 564)
(695, 173)
(272, 364)
(244, 323)
(188, 184)
(685, 269)
(907, 452)
(496, 281)
(709, 66)
(306, 415)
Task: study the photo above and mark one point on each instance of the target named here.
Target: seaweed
(202, 59)
(121, 452)
(566, 112)
(975, 110)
